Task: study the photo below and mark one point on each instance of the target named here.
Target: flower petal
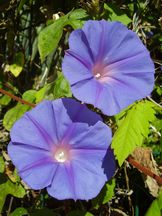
(36, 127)
(122, 68)
(81, 136)
(62, 187)
(35, 166)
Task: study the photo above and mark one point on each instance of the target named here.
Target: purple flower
(63, 146)
(108, 66)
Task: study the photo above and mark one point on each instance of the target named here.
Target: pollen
(98, 75)
(61, 155)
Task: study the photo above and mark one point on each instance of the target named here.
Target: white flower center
(61, 155)
(98, 75)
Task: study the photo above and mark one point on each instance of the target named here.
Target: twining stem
(145, 170)
(16, 98)
(134, 163)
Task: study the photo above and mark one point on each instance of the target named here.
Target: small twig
(145, 170)
(154, 101)
(10, 205)
(16, 98)
(128, 188)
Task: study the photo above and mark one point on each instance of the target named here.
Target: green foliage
(105, 195)
(50, 36)
(28, 29)
(114, 13)
(19, 212)
(61, 87)
(2, 164)
(17, 65)
(5, 100)
(156, 207)
(8, 187)
(134, 127)
(16, 112)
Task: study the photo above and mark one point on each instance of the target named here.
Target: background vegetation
(33, 38)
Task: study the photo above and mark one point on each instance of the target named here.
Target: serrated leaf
(17, 65)
(78, 14)
(105, 195)
(114, 13)
(10, 188)
(134, 127)
(19, 212)
(77, 18)
(155, 208)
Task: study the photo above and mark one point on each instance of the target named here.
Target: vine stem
(130, 160)
(16, 98)
(144, 170)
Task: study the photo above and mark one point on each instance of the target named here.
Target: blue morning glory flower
(63, 146)
(108, 66)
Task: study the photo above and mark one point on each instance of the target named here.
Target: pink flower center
(62, 154)
(100, 72)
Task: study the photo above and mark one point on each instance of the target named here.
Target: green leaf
(2, 164)
(155, 208)
(105, 195)
(13, 115)
(29, 96)
(77, 18)
(50, 36)
(114, 13)
(19, 212)
(61, 87)
(17, 65)
(79, 213)
(43, 92)
(10, 188)
(16, 112)
(134, 127)
(78, 14)
(5, 100)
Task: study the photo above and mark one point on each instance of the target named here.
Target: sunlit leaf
(114, 13)
(17, 65)
(16, 112)
(134, 127)
(105, 195)
(61, 87)
(155, 208)
(50, 36)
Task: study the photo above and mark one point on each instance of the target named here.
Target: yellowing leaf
(17, 65)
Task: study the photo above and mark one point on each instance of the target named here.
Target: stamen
(61, 155)
(98, 75)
